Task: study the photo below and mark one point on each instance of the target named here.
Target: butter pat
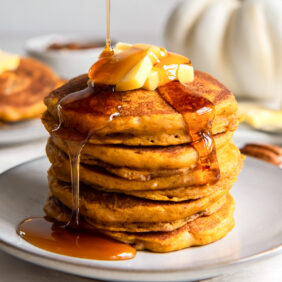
(156, 78)
(141, 66)
(185, 73)
(155, 52)
(152, 81)
(137, 76)
(120, 47)
(260, 117)
(8, 62)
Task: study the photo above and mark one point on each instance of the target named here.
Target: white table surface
(13, 269)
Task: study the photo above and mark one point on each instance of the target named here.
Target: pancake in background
(22, 90)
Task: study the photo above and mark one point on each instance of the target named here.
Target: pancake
(144, 117)
(151, 158)
(186, 193)
(114, 207)
(229, 159)
(141, 180)
(201, 231)
(52, 203)
(22, 91)
(151, 162)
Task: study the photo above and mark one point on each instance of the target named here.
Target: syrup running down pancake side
(198, 114)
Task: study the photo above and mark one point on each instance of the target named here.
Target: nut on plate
(265, 152)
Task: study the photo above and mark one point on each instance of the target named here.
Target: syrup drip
(54, 237)
(108, 51)
(75, 149)
(72, 239)
(168, 66)
(198, 113)
(100, 101)
(111, 69)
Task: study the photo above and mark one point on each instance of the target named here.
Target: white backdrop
(132, 20)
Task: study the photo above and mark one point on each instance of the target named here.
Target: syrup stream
(108, 24)
(75, 149)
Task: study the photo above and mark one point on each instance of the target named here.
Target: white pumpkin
(239, 42)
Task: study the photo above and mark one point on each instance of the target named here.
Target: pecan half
(265, 152)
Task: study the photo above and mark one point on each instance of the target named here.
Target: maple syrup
(111, 69)
(168, 67)
(54, 237)
(108, 51)
(198, 113)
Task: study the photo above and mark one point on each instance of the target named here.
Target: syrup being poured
(72, 239)
(108, 51)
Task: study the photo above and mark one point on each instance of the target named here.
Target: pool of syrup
(58, 238)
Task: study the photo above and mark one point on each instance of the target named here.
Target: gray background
(131, 20)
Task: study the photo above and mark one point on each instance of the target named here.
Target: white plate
(257, 234)
(22, 132)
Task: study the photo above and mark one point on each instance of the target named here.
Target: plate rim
(212, 269)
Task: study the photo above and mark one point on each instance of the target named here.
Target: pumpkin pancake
(22, 91)
(150, 158)
(229, 159)
(200, 231)
(186, 193)
(144, 117)
(122, 158)
(119, 208)
(51, 210)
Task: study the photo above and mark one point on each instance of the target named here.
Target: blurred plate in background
(67, 62)
(24, 131)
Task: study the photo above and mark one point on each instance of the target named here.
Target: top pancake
(144, 117)
(22, 90)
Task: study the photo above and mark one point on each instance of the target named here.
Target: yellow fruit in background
(8, 61)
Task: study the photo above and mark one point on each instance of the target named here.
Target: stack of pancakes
(22, 90)
(137, 174)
